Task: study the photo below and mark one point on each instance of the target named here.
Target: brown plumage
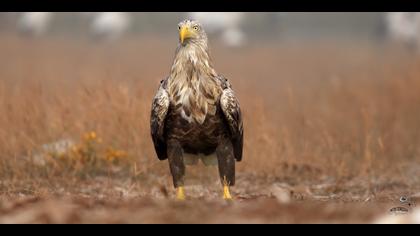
(195, 110)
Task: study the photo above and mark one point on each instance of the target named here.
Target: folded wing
(160, 107)
(232, 111)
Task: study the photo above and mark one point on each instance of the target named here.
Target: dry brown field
(332, 133)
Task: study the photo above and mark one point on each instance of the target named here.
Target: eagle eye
(196, 28)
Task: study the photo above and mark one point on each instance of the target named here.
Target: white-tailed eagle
(195, 111)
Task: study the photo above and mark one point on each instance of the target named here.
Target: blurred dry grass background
(335, 121)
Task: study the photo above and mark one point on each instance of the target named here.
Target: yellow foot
(180, 194)
(226, 193)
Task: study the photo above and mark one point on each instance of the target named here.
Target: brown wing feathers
(160, 107)
(233, 115)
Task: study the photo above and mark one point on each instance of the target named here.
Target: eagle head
(191, 31)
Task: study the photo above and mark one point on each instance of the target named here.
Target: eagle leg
(177, 167)
(226, 161)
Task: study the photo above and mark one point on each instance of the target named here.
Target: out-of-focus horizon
(233, 28)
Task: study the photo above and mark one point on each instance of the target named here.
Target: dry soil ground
(332, 133)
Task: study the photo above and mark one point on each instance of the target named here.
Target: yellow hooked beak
(185, 33)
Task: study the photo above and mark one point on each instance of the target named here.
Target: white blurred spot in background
(109, 26)
(226, 25)
(104, 26)
(404, 28)
(34, 24)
